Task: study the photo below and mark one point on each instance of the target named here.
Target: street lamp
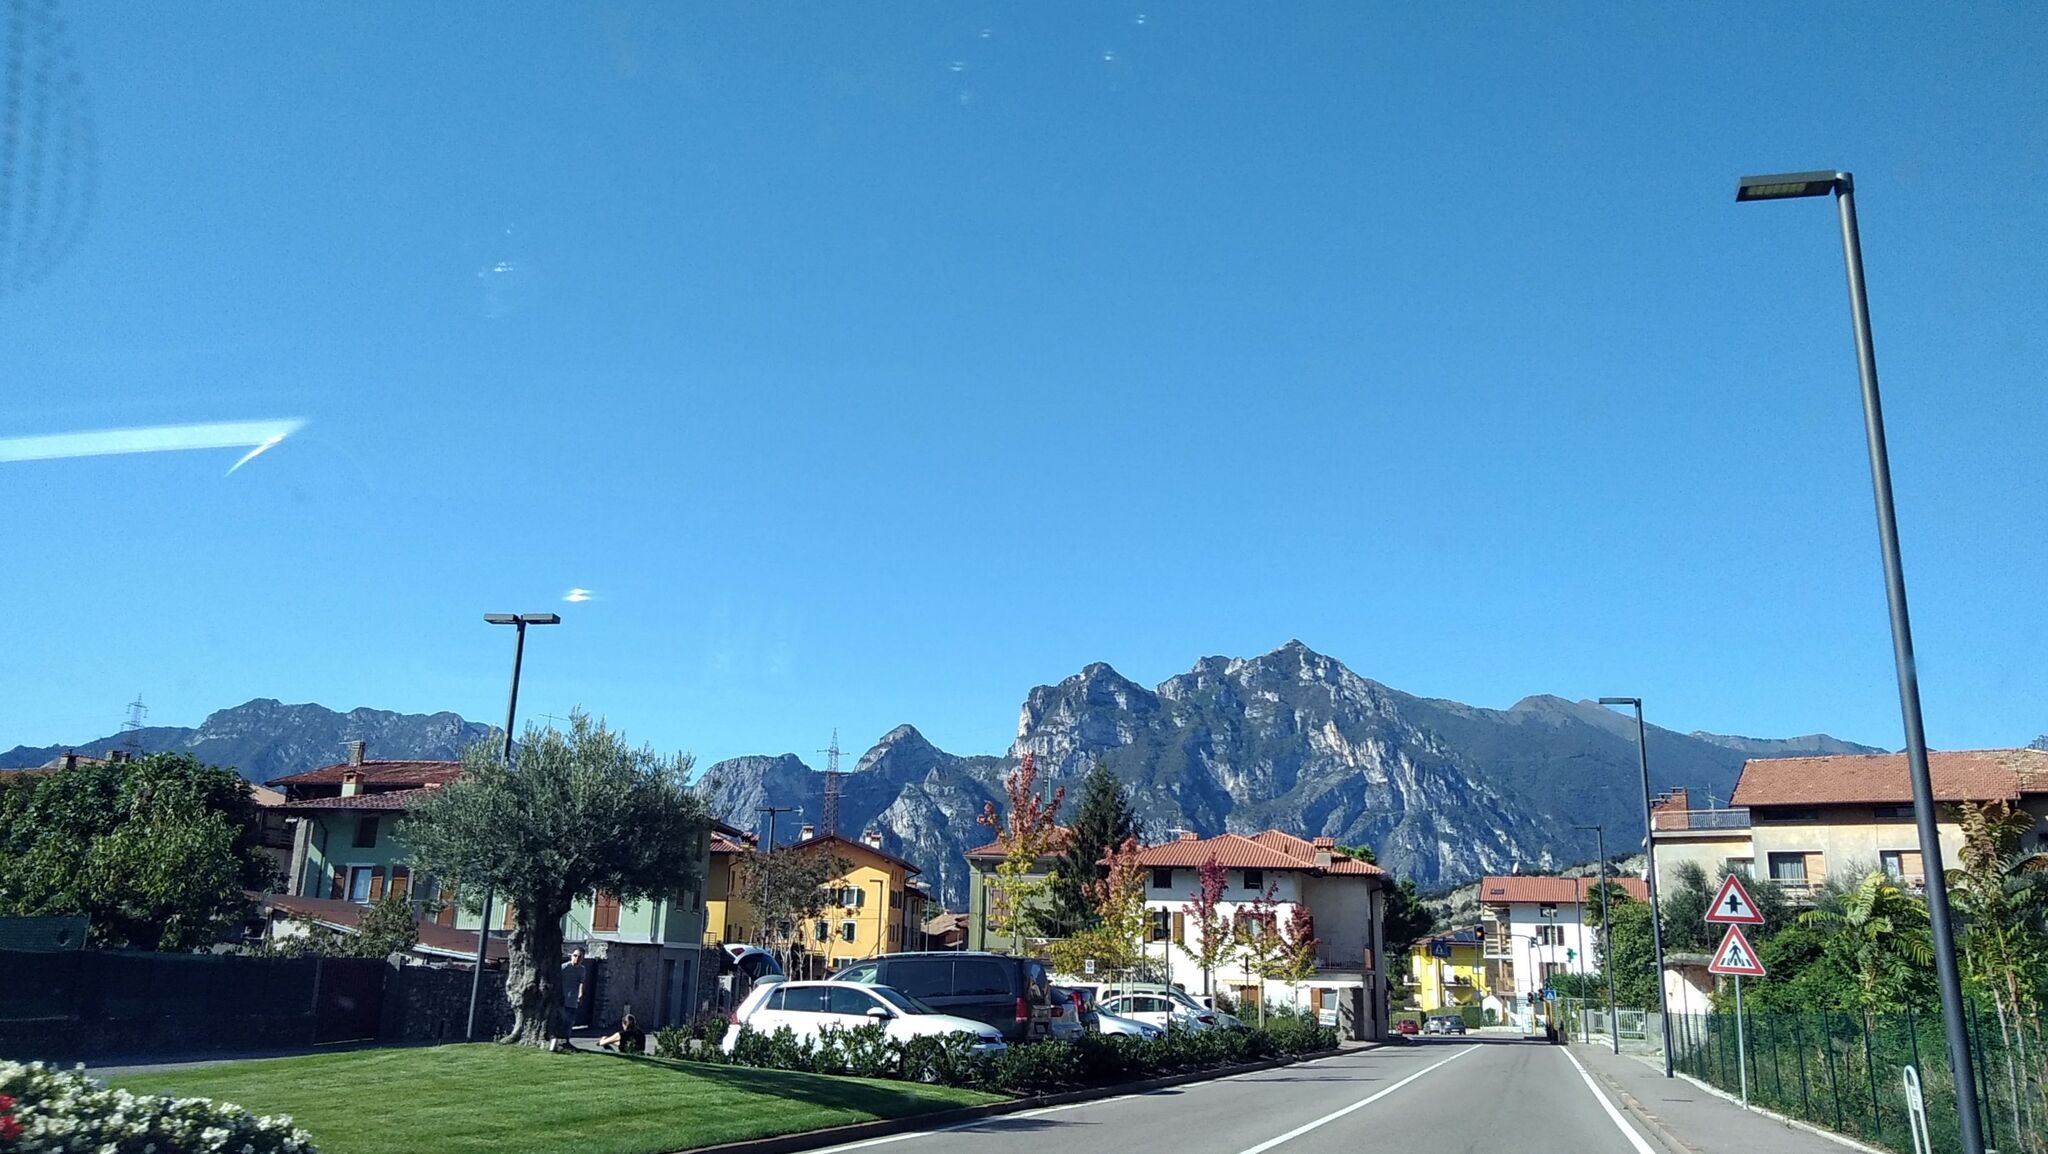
(1650, 858)
(1606, 932)
(483, 931)
(1843, 186)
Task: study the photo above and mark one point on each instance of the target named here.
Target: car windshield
(901, 1000)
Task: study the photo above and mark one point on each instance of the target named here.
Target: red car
(1407, 1026)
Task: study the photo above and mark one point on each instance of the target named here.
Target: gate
(348, 999)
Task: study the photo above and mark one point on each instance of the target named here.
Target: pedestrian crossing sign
(1732, 904)
(1736, 957)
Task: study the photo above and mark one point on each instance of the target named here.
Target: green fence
(1842, 1071)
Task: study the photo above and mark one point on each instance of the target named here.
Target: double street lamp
(518, 621)
(1607, 929)
(1797, 185)
(1650, 857)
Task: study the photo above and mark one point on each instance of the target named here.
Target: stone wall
(431, 1004)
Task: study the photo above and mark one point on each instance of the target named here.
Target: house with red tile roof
(1802, 820)
(982, 884)
(1534, 928)
(1345, 898)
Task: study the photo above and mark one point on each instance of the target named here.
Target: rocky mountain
(1442, 791)
(266, 738)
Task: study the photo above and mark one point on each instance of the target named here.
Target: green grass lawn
(507, 1100)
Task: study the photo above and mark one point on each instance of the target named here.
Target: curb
(968, 1115)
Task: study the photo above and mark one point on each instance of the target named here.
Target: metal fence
(1844, 1072)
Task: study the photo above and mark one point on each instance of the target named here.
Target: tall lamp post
(1607, 928)
(483, 930)
(1792, 186)
(1650, 857)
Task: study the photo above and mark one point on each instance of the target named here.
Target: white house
(1344, 897)
(1535, 928)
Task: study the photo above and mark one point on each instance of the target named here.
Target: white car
(1160, 1011)
(809, 1008)
(1175, 994)
(1129, 1027)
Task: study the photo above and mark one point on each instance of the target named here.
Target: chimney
(355, 753)
(808, 832)
(1325, 850)
(1190, 835)
(872, 839)
(71, 759)
(351, 781)
(1668, 811)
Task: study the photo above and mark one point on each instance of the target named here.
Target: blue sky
(873, 364)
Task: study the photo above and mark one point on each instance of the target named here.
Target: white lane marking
(1361, 1104)
(1628, 1131)
(969, 1125)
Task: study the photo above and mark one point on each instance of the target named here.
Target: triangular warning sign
(1732, 905)
(1735, 956)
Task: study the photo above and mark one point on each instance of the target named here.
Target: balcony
(1700, 820)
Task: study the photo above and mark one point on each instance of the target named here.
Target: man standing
(572, 988)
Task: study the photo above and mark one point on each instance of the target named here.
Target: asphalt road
(1439, 1097)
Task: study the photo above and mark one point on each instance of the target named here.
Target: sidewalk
(1686, 1119)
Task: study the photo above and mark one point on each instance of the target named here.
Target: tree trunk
(533, 975)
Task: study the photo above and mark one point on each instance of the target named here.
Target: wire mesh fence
(1844, 1071)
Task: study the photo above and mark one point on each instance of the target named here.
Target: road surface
(1439, 1096)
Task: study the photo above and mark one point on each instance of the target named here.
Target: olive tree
(577, 813)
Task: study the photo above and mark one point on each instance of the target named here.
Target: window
(604, 914)
(841, 1000)
(366, 833)
(1901, 865)
(921, 977)
(1746, 866)
(1162, 879)
(774, 1001)
(822, 931)
(1255, 879)
(1161, 926)
(1892, 812)
(1550, 935)
(849, 930)
(984, 977)
(359, 884)
(1792, 813)
(804, 999)
(863, 975)
(1796, 868)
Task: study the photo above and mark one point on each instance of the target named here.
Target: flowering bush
(43, 1109)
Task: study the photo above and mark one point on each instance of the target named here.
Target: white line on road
(1627, 1130)
(1361, 1104)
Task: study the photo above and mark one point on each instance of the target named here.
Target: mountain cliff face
(1443, 792)
(265, 738)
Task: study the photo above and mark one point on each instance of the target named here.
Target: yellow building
(870, 909)
(1448, 970)
(728, 916)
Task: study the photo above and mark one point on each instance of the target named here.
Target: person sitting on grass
(628, 1039)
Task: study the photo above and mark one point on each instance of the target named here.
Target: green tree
(580, 812)
(158, 853)
(1686, 929)
(787, 889)
(387, 928)
(1103, 821)
(1626, 949)
(2000, 893)
(1880, 934)
(1116, 943)
(1028, 833)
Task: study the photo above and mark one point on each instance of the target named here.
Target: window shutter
(340, 886)
(1180, 926)
(376, 882)
(400, 881)
(446, 916)
(604, 914)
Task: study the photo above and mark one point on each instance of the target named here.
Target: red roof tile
(1880, 778)
(395, 799)
(1552, 890)
(1271, 849)
(1059, 837)
(723, 844)
(396, 773)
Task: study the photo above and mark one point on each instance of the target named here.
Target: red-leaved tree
(1028, 833)
(1207, 942)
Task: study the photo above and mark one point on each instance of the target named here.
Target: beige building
(1800, 820)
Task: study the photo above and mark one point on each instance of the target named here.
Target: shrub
(672, 1042)
(1035, 1066)
(55, 1110)
(948, 1059)
(870, 1052)
(712, 1028)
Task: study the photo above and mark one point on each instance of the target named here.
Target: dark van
(1012, 994)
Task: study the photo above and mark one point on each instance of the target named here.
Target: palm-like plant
(2001, 894)
(1884, 933)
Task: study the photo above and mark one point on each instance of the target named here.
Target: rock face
(266, 738)
(1443, 792)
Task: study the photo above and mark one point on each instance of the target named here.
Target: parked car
(1012, 994)
(1067, 1025)
(1407, 1027)
(808, 1008)
(1161, 1011)
(1129, 1027)
(1444, 1024)
(1103, 990)
(741, 968)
